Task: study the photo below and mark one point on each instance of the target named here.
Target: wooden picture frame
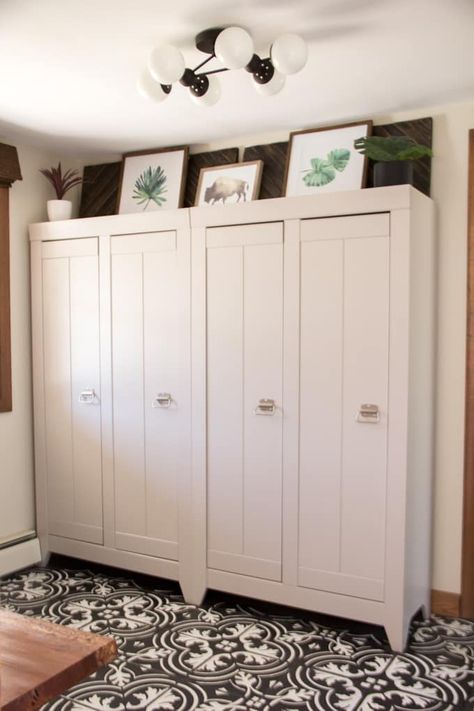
(333, 176)
(249, 173)
(134, 165)
(5, 335)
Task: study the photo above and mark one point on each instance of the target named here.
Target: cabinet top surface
(276, 209)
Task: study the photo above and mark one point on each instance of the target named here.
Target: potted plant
(393, 156)
(60, 209)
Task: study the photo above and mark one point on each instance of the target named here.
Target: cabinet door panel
(71, 365)
(224, 399)
(57, 376)
(128, 397)
(149, 439)
(344, 364)
(244, 351)
(263, 352)
(366, 283)
(163, 433)
(85, 358)
(320, 402)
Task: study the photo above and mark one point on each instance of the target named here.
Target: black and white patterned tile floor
(237, 655)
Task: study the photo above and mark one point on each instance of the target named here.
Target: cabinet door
(344, 340)
(244, 366)
(150, 401)
(72, 388)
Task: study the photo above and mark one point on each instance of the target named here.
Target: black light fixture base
(206, 39)
(262, 69)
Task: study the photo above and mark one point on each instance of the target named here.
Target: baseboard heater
(19, 551)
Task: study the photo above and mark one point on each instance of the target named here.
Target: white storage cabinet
(297, 466)
(313, 347)
(111, 351)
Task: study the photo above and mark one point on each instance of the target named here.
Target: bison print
(225, 188)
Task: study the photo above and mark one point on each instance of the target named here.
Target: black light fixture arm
(202, 64)
(262, 70)
(214, 71)
(233, 47)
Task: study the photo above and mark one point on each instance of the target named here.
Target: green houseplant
(60, 209)
(393, 156)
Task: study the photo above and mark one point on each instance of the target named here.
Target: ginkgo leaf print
(150, 186)
(339, 158)
(321, 173)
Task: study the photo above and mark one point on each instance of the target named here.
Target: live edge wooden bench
(40, 660)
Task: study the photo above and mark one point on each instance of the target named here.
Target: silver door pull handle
(88, 397)
(368, 413)
(162, 400)
(265, 406)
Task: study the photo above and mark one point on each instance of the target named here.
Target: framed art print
(153, 180)
(324, 160)
(228, 184)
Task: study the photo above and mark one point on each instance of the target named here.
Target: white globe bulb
(276, 84)
(234, 47)
(149, 88)
(166, 64)
(212, 94)
(289, 53)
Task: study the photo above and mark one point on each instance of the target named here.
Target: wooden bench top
(40, 660)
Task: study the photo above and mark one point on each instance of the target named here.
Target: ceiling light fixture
(234, 48)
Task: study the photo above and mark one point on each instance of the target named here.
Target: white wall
(449, 190)
(27, 204)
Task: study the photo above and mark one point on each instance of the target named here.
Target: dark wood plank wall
(274, 161)
(205, 160)
(274, 156)
(100, 189)
(422, 131)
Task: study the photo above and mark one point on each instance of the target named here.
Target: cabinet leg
(425, 611)
(45, 556)
(193, 596)
(397, 634)
(193, 591)
(44, 550)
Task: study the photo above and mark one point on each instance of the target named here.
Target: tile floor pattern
(236, 655)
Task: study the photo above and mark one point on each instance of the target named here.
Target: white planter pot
(59, 210)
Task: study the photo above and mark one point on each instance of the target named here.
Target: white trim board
(19, 556)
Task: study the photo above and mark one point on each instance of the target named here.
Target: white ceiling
(68, 67)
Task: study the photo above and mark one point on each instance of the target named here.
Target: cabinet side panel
(420, 408)
(128, 413)
(57, 376)
(85, 374)
(321, 404)
(395, 578)
(366, 340)
(39, 397)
